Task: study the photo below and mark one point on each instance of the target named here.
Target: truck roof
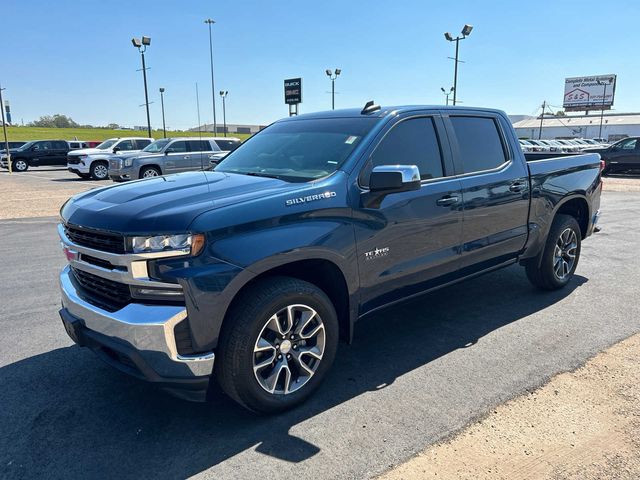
(385, 111)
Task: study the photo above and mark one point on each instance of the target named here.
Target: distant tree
(560, 113)
(54, 121)
(113, 126)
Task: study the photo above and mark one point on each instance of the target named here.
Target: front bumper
(78, 167)
(138, 339)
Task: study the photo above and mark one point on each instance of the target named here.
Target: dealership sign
(589, 93)
(293, 91)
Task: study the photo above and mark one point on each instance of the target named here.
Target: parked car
(94, 162)
(568, 145)
(36, 153)
(170, 155)
(77, 144)
(249, 274)
(542, 146)
(622, 156)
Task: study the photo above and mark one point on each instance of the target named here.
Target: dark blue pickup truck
(251, 273)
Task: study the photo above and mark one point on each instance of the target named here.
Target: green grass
(96, 134)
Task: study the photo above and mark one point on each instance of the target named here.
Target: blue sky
(75, 57)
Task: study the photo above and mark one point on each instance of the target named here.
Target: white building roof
(580, 121)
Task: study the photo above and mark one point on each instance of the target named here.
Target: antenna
(369, 107)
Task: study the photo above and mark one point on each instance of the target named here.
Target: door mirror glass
(394, 178)
(116, 149)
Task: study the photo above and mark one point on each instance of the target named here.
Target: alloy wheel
(564, 254)
(149, 173)
(100, 171)
(20, 165)
(289, 349)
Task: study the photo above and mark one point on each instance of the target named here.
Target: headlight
(128, 162)
(191, 243)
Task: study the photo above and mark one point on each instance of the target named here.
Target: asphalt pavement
(416, 373)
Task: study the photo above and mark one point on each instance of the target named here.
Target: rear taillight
(602, 165)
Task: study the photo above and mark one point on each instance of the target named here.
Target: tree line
(63, 121)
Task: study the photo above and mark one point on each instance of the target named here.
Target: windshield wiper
(261, 174)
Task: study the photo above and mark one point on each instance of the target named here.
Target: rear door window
(228, 145)
(480, 143)
(142, 143)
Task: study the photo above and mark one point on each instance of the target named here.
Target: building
(231, 128)
(614, 126)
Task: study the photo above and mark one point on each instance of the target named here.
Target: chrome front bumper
(148, 329)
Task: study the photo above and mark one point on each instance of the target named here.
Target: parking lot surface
(417, 373)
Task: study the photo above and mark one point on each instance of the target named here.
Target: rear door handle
(447, 201)
(517, 186)
(186, 157)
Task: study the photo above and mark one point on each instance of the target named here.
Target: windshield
(26, 146)
(298, 150)
(106, 144)
(156, 146)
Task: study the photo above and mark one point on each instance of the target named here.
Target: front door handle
(518, 186)
(447, 201)
(186, 157)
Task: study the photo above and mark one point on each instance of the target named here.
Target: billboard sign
(7, 110)
(293, 91)
(589, 93)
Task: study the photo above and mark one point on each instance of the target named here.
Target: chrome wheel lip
(565, 254)
(287, 354)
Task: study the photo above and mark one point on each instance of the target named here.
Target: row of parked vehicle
(121, 159)
(562, 145)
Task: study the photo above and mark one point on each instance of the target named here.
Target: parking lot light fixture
(446, 94)
(466, 31)
(608, 81)
(223, 94)
(142, 45)
(164, 128)
(333, 75)
(210, 22)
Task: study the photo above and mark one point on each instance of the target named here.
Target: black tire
(542, 270)
(99, 170)
(246, 322)
(19, 165)
(149, 172)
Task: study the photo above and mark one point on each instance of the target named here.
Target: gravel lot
(416, 374)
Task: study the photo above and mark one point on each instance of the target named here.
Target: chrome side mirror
(394, 178)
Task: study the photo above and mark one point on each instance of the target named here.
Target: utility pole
(4, 129)
(164, 127)
(544, 105)
(213, 88)
(223, 94)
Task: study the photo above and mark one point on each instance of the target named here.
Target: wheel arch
(319, 271)
(576, 206)
(148, 165)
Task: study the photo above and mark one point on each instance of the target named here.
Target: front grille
(106, 242)
(115, 164)
(104, 293)
(73, 160)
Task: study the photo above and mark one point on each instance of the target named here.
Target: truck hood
(168, 204)
(90, 151)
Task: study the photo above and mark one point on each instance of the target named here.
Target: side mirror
(394, 178)
(116, 149)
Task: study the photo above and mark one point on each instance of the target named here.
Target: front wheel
(557, 263)
(20, 165)
(277, 344)
(149, 172)
(99, 171)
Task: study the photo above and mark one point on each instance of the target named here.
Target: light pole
(164, 127)
(223, 94)
(213, 88)
(141, 45)
(446, 94)
(604, 96)
(4, 129)
(333, 77)
(466, 31)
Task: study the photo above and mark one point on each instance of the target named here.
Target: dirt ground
(581, 425)
(38, 193)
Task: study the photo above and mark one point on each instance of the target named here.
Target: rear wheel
(556, 264)
(99, 170)
(20, 165)
(277, 344)
(148, 172)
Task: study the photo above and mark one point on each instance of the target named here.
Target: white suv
(94, 162)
